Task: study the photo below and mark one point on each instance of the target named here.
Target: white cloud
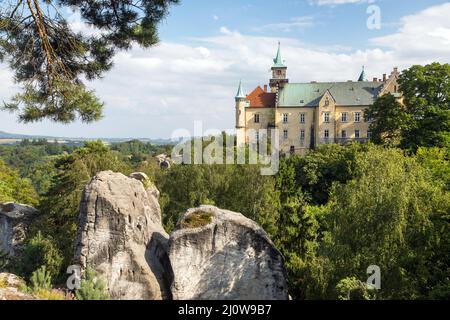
(215, 17)
(296, 23)
(425, 35)
(150, 93)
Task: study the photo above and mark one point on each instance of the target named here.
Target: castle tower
(362, 76)
(240, 115)
(278, 72)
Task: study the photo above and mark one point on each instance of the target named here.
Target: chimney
(374, 79)
(384, 77)
(265, 88)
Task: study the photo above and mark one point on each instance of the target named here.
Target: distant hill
(7, 135)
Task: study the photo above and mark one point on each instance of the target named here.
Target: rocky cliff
(219, 254)
(120, 235)
(212, 254)
(14, 222)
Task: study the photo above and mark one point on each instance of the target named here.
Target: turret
(278, 72)
(362, 76)
(241, 101)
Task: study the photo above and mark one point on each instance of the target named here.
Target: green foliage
(53, 68)
(136, 151)
(423, 119)
(35, 160)
(315, 173)
(13, 188)
(41, 286)
(388, 120)
(437, 163)
(40, 251)
(197, 219)
(353, 289)
(92, 287)
(386, 216)
(239, 188)
(40, 280)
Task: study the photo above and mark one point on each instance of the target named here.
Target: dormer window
(327, 102)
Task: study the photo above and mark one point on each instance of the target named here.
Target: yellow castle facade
(309, 114)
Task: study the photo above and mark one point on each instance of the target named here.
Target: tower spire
(240, 93)
(362, 76)
(278, 62)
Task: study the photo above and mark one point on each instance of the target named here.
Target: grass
(197, 219)
(3, 283)
(49, 294)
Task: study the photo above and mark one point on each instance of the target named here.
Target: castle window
(285, 117)
(326, 117)
(356, 134)
(302, 134)
(292, 150)
(343, 134)
(344, 117)
(302, 118)
(257, 136)
(285, 134)
(326, 133)
(369, 134)
(256, 118)
(357, 116)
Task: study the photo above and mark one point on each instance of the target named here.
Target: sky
(207, 46)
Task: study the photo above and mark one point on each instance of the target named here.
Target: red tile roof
(260, 99)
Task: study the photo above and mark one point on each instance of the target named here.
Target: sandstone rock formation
(219, 254)
(9, 288)
(212, 254)
(14, 222)
(120, 235)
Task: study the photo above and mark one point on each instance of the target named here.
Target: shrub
(40, 251)
(41, 286)
(197, 219)
(40, 280)
(353, 289)
(92, 287)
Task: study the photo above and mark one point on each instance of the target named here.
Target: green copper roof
(240, 93)
(345, 93)
(362, 76)
(278, 62)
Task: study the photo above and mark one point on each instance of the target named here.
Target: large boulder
(120, 236)
(10, 288)
(15, 220)
(219, 254)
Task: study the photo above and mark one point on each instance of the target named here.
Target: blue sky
(207, 46)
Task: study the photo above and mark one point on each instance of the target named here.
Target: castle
(309, 114)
